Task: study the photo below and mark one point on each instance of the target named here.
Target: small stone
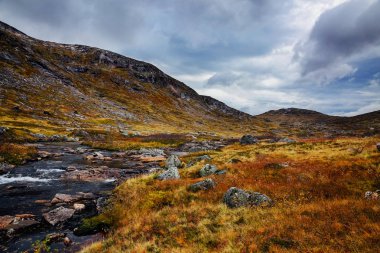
(248, 139)
(207, 170)
(79, 207)
(67, 241)
(220, 172)
(71, 168)
(61, 197)
(378, 146)
(54, 237)
(202, 185)
(372, 195)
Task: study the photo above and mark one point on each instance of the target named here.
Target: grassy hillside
(318, 187)
(54, 88)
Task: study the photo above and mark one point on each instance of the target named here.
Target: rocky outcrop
(207, 170)
(173, 161)
(170, 173)
(248, 139)
(202, 185)
(236, 197)
(58, 215)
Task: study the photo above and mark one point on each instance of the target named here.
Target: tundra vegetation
(317, 186)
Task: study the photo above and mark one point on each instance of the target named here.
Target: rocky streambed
(68, 182)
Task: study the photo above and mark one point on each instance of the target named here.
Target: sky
(254, 55)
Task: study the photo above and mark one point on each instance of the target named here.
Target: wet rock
(71, 168)
(86, 195)
(173, 161)
(64, 198)
(25, 216)
(44, 154)
(58, 215)
(372, 195)
(67, 241)
(207, 170)
(5, 168)
(5, 221)
(198, 159)
(78, 207)
(236, 197)
(248, 139)
(202, 185)
(20, 226)
(93, 174)
(170, 173)
(95, 156)
(378, 146)
(54, 238)
(101, 203)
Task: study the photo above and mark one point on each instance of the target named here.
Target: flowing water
(41, 180)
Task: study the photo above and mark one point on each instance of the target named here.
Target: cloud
(340, 35)
(254, 55)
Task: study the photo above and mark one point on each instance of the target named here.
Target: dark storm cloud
(238, 51)
(346, 31)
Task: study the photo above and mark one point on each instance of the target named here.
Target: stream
(29, 188)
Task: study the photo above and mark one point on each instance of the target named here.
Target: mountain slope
(307, 123)
(58, 86)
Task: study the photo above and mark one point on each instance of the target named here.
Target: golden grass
(319, 203)
(15, 153)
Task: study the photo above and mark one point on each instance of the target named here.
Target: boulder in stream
(58, 215)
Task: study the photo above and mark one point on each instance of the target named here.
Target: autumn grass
(16, 153)
(318, 190)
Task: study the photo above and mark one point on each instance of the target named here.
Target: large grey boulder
(248, 139)
(173, 161)
(236, 197)
(58, 215)
(202, 185)
(207, 170)
(170, 173)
